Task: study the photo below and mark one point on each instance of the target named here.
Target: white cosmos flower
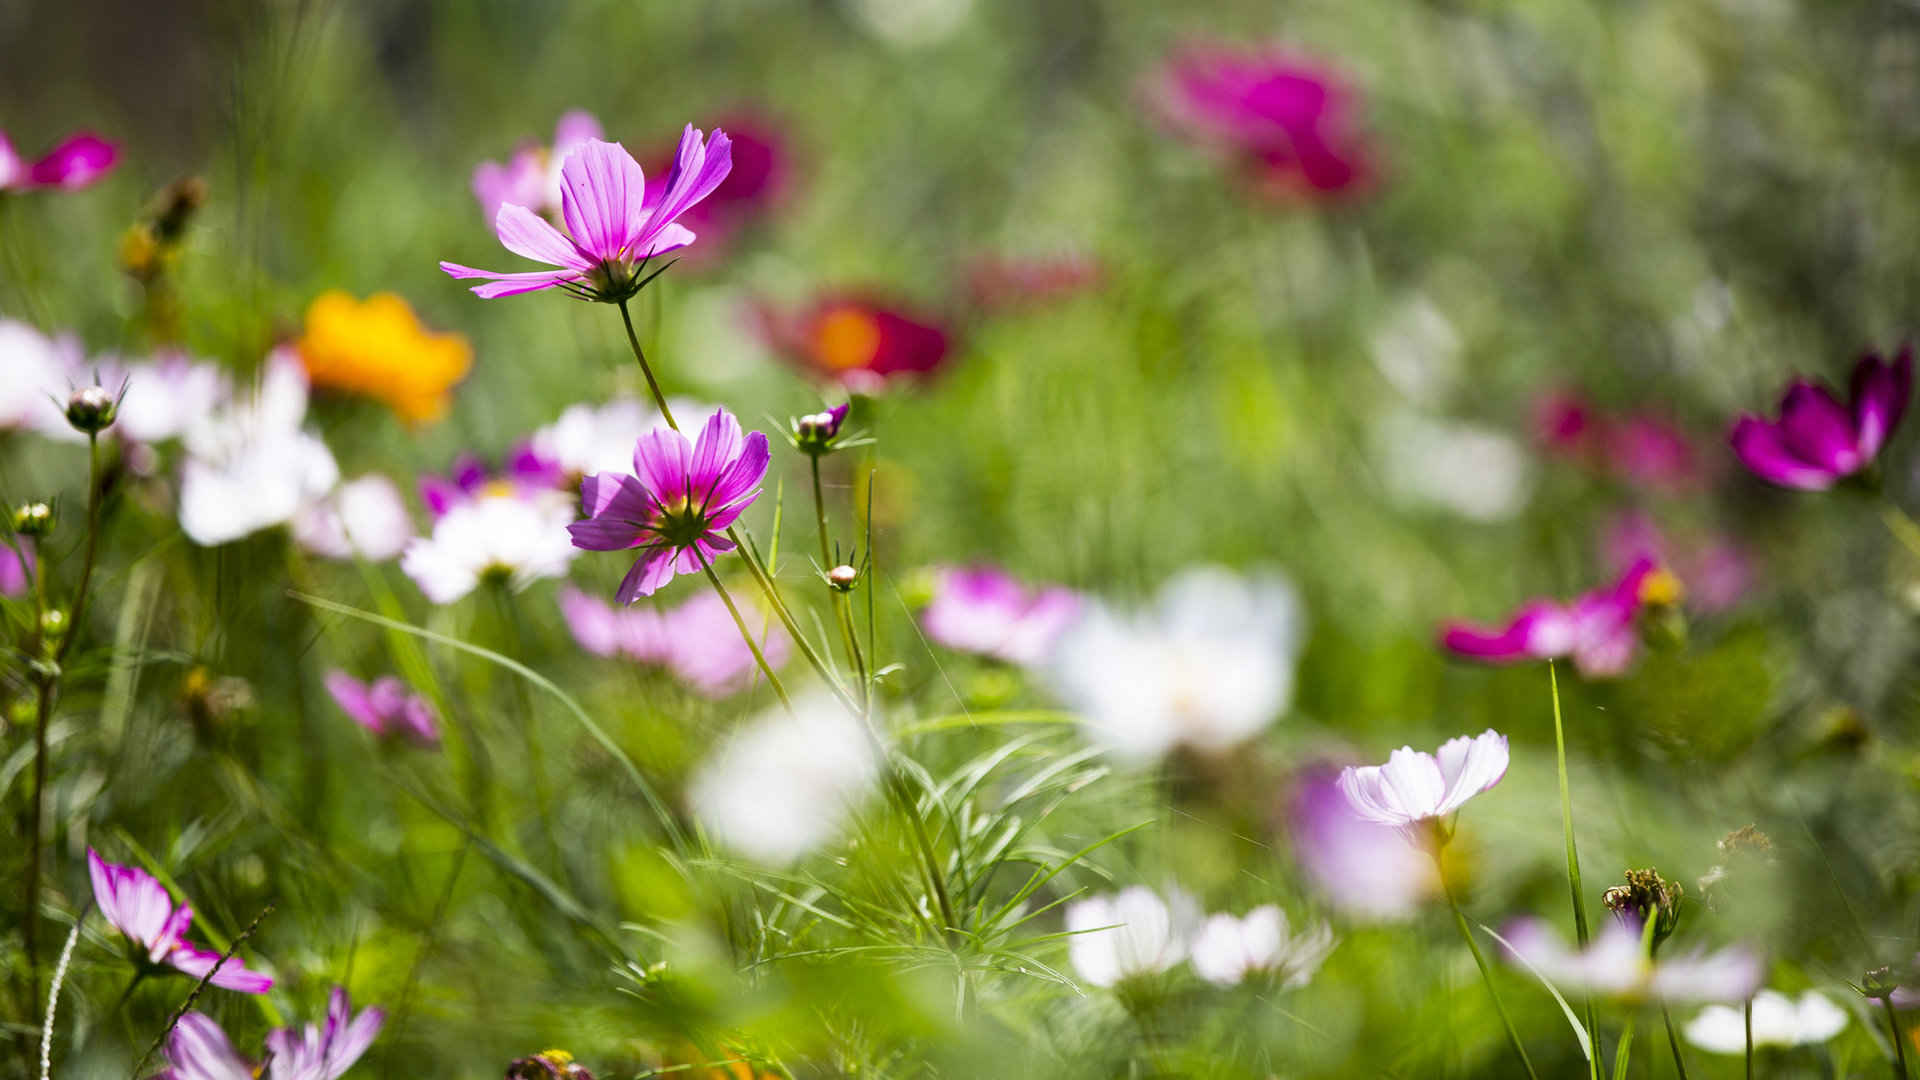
(1778, 1020)
(784, 784)
(251, 466)
(588, 439)
(1229, 948)
(167, 396)
(1475, 472)
(1131, 933)
(40, 372)
(520, 536)
(1208, 666)
(1415, 786)
(1615, 964)
(363, 518)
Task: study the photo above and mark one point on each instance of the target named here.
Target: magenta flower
(1817, 442)
(859, 342)
(1414, 786)
(612, 228)
(77, 162)
(1597, 630)
(682, 497)
(385, 708)
(983, 610)
(532, 178)
(1616, 965)
(1291, 121)
(757, 179)
(199, 1050)
(142, 910)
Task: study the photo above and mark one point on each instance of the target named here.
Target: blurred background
(1560, 247)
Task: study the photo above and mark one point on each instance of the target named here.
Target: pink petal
(13, 171)
(652, 570)
(75, 163)
(504, 284)
(713, 452)
(1880, 392)
(660, 459)
(524, 232)
(602, 199)
(1760, 447)
(199, 1050)
(697, 170)
(1818, 430)
(740, 483)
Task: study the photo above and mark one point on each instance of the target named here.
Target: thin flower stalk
(1486, 976)
(1673, 1043)
(1893, 1032)
(746, 634)
(1573, 854)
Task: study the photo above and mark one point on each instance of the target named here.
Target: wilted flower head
(1646, 895)
(1415, 786)
(76, 162)
(861, 343)
(252, 466)
(983, 610)
(1597, 630)
(1778, 1020)
(1291, 121)
(364, 518)
(1817, 441)
(1366, 869)
(385, 707)
(1616, 965)
(532, 178)
(1230, 948)
(142, 910)
(1134, 932)
(511, 535)
(1207, 667)
(199, 1050)
(380, 349)
(548, 1065)
(783, 785)
(612, 228)
(682, 497)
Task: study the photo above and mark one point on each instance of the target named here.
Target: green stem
(1899, 1040)
(746, 635)
(646, 369)
(1573, 856)
(820, 514)
(1746, 1014)
(1623, 1051)
(1486, 973)
(1673, 1043)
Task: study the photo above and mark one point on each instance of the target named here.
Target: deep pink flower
(1564, 421)
(199, 1050)
(983, 610)
(858, 342)
(611, 227)
(1290, 120)
(77, 162)
(532, 178)
(682, 497)
(385, 707)
(1597, 630)
(1647, 451)
(758, 179)
(141, 909)
(1817, 442)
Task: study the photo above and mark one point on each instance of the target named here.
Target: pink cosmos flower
(1414, 786)
(141, 909)
(859, 342)
(612, 229)
(983, 610)
(532, 178)
(697, 642)
(1366, 869)
(1817, 442)
(1615, 964)
(199, 1050)
(385, 708)
(75, 163)
(1715, 570)
(1597, 630)
(1291, 121)
(682, 497)
(1642, 449)
(758, 179)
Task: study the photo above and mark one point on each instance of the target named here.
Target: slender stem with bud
(746, 634)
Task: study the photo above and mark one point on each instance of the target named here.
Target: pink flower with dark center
(983, 610)
(1415, 786)
(1291, 121)
(860, 343)
(532, 177)
(1597, 630)
(681, 499)
(199, 1050)
(1817, 441)
(75, 163)
(612, 230)
(142, 910)
(385, 707)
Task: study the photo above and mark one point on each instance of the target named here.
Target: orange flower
(378, 348)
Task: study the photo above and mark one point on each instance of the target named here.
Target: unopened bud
(1879, 982)
(843, 577)
(814, 433)
(91, 409)
(33, 519)
(53, 624)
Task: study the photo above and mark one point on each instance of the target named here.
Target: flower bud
(91, 409)
(843, 577)
(53, 624)
(1879, 982)
(33, 519)
(814, 433)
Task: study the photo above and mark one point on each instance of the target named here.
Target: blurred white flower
(1208, 666)
(1418, 351)
(1615, 964)
(40, 372)
(1228, 948)
(910, 23)
(784, 784)
(364, 518)
(250, 466)
(518, 536)
(1130, 933)
(588, 439)
(166, 397)
(1777, 1021)
(1475, 472)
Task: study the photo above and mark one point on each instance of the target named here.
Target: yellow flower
(378, 348)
